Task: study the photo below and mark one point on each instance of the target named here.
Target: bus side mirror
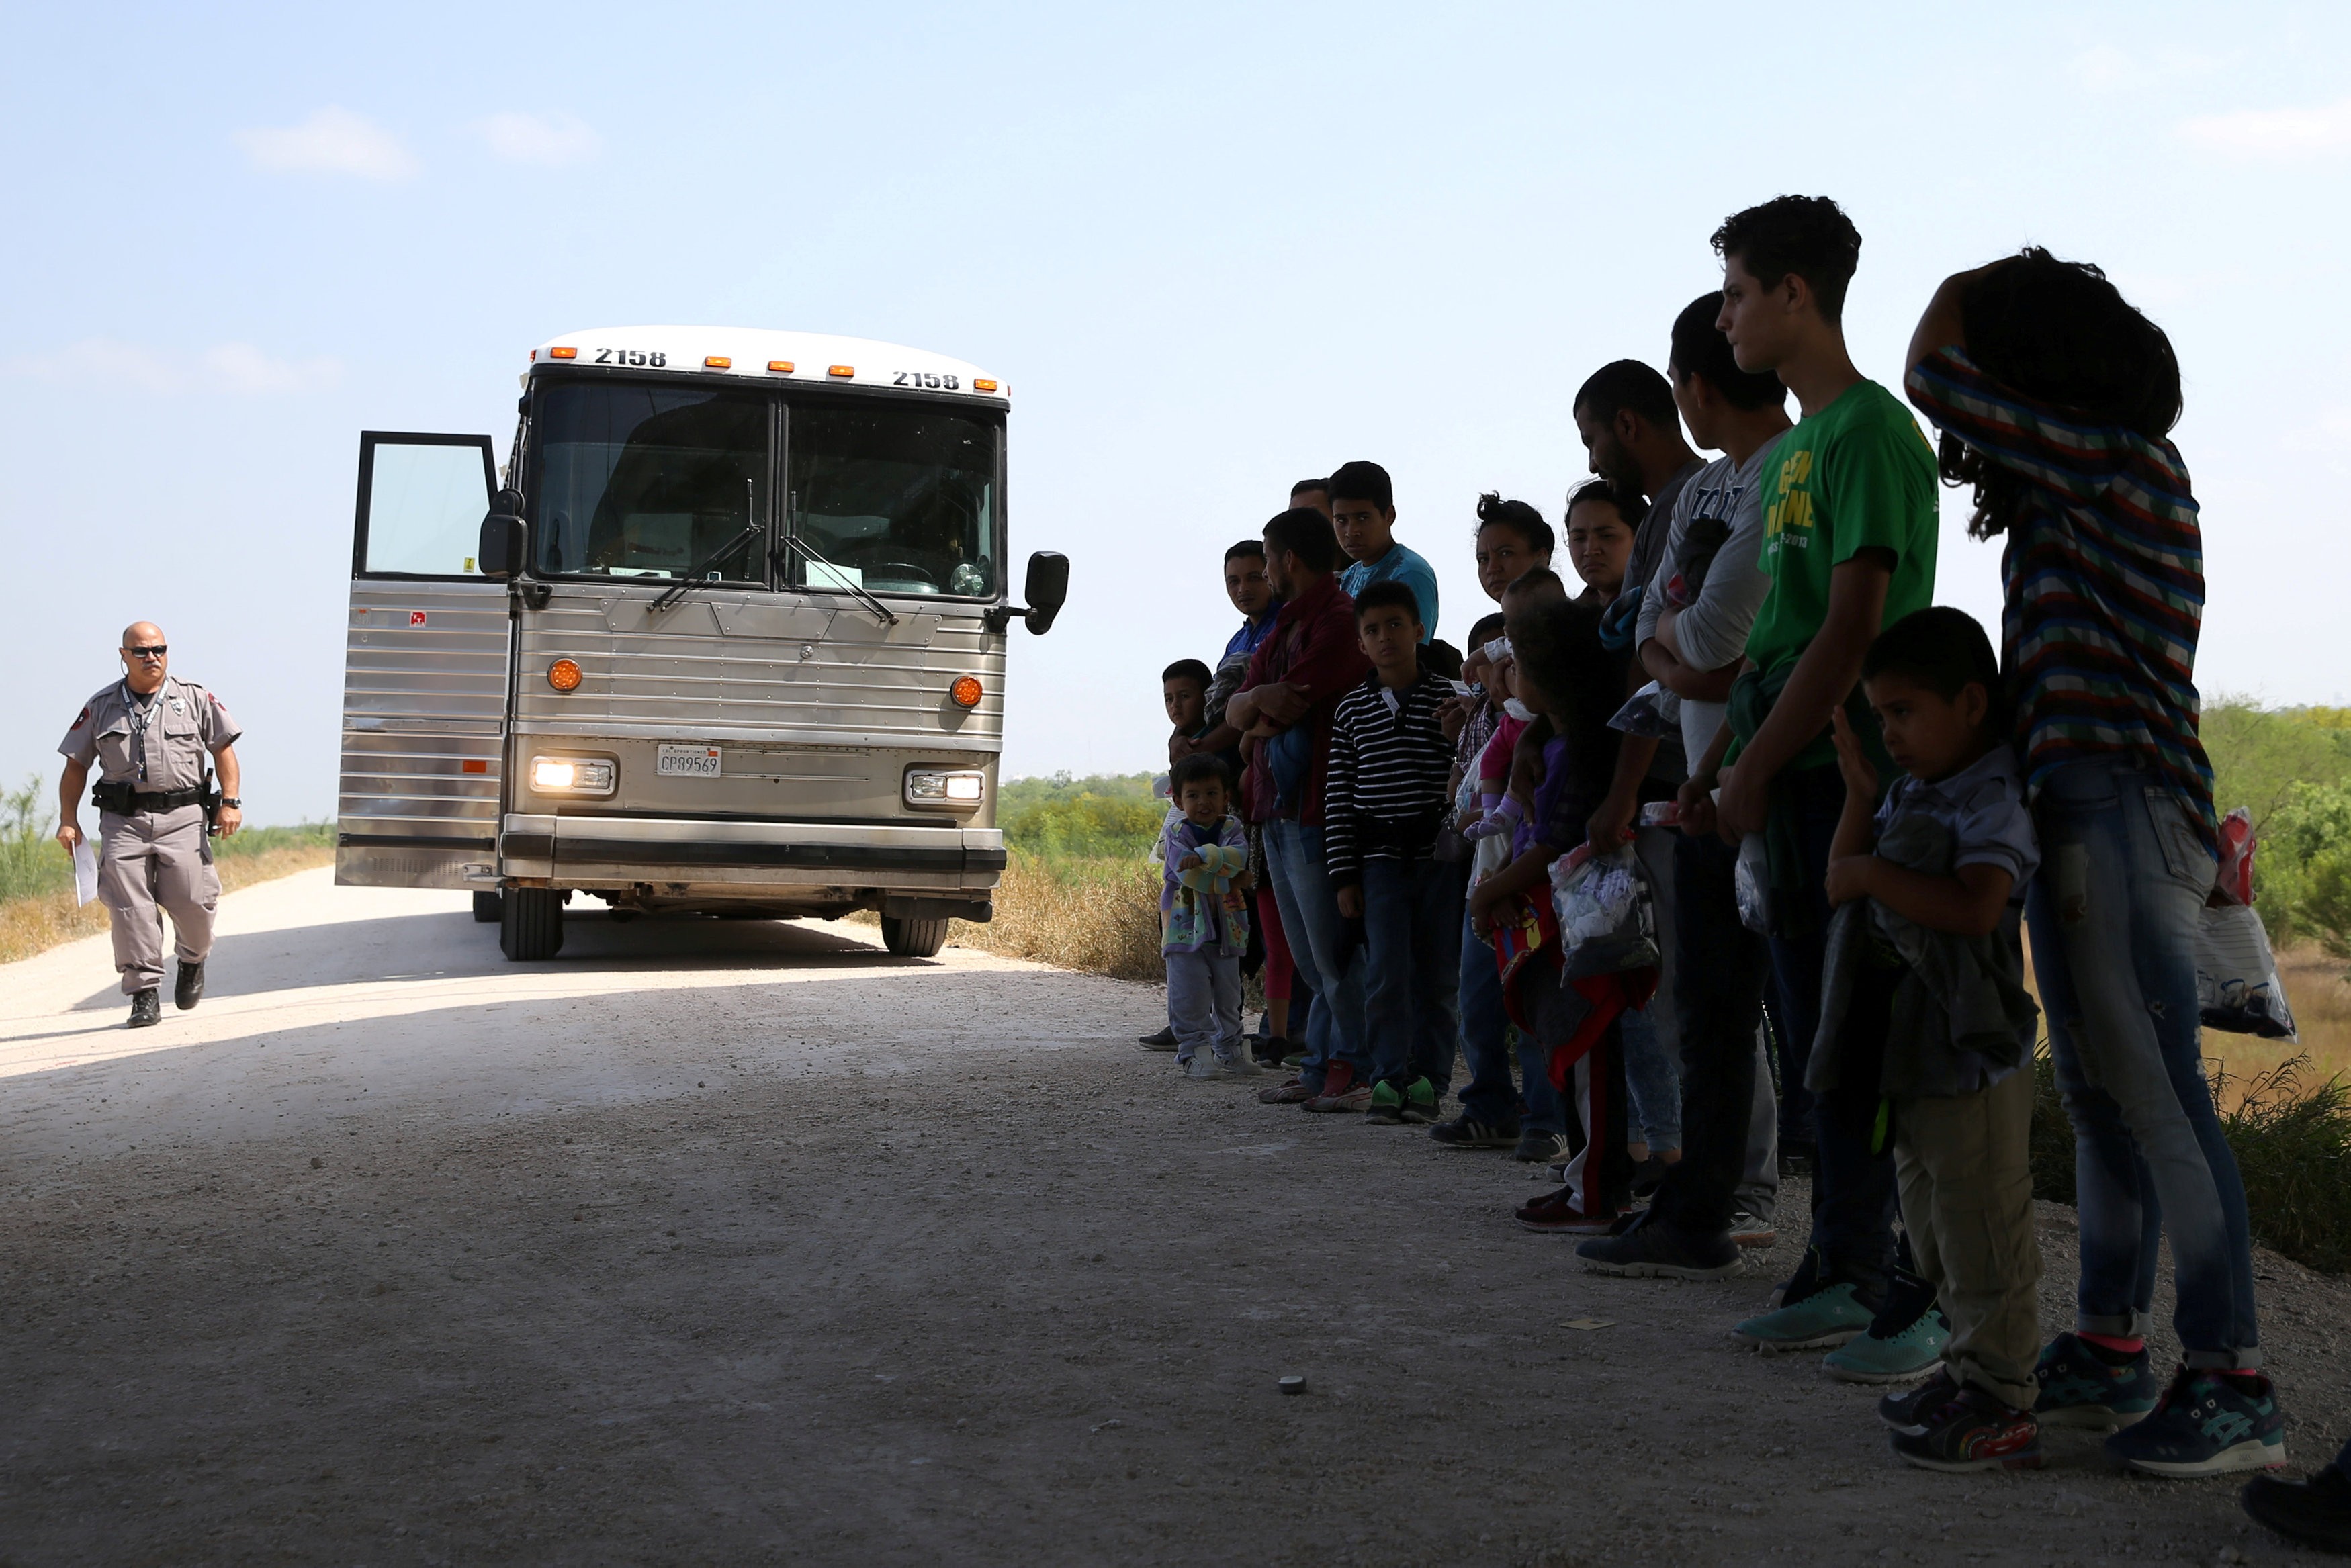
(1047, 589)
(501, 551)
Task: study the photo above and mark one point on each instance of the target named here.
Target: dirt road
(733, 1243)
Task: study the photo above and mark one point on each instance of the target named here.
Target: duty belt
(123, 800)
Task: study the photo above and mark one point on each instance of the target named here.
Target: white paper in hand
(85, 872)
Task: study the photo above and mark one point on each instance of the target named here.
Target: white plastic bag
(1753, 881)
(2237, 986)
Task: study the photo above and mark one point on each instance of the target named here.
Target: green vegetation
(1059, 819)
(2291, 767)
(32, 865)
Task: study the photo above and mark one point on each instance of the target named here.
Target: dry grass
(1095, 915)
(28, 926)
(2321, 1000)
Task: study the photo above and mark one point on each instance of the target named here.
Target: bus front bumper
(751, 857)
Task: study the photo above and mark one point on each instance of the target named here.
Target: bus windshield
(893, 499)
(648, 481)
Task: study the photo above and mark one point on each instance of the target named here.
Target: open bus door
(424, 671)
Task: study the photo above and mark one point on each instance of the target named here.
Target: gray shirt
(1982, 805)
(1652, 545)
(1712, 626)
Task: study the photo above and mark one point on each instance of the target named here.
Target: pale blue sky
(1211, 251)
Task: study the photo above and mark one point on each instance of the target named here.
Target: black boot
(2316, 1512)
(146, 1010)
(190, 989)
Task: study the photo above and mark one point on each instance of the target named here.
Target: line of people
(1715, 855)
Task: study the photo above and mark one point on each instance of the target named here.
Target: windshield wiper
(840, 579)
(694, 575)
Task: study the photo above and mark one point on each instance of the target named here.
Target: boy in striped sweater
(1390, 763)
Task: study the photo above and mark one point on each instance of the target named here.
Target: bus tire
(487, 908)
(530, 924)
(914, 938)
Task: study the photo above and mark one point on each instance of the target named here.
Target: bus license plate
(686, 762)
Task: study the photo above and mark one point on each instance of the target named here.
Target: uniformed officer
(149, 733)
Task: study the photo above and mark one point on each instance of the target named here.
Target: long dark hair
(2060, 333)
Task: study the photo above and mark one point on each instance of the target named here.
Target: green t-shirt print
(1858, 476)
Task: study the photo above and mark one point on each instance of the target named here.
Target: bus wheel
(530, 924)
(914, 938)
(486, 906)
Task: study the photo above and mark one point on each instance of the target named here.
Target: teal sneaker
(2079, 1388)
(1420, 1102)
(1387, 1104)
(1821, 1320)
(2207, 1423)
(1880, 1356)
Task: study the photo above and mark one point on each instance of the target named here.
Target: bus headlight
(571, 775)
(938, 787)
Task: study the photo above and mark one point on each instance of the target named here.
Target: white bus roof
(760, 354)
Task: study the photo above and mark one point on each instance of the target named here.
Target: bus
(725, 637)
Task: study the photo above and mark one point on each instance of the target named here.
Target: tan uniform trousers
(150, 858)
(1966, 1201)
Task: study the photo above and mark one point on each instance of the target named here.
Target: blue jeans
(1653, 1037)
(2113, 915)
(1412, 968)
(1310, 918)
(1489, 1096)
(1853, 1182)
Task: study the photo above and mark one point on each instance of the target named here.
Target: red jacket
(1312, 645)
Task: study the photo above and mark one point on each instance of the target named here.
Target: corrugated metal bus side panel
(425, 673)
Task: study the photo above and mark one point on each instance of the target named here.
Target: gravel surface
(732, 1242)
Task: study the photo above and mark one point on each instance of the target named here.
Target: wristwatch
(232, 800)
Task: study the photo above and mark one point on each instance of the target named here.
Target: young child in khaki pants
(1924, 990)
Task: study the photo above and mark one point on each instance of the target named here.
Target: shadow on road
(442, 944)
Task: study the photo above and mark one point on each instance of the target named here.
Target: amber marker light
(563, 353)
(843, 371)
(983, 386)
(966, 691)
(780, 367)
(717, 362)
(563, 675)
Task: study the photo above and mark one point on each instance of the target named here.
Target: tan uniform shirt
(156, 746)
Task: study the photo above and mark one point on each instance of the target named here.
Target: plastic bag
(2237, 986)
(1647, 713)
(1753, 881)
(1606, 921)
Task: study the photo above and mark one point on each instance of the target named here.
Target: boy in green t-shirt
(1849, 544)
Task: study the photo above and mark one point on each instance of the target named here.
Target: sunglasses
(158, 651)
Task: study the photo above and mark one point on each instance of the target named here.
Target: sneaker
(146, 1010)
(1556, 1213)
(2081, 1387)
(2207, 1423)
(1902, 1411)
(1465, 1131)
(1821, 1320)
(2316, 1512)
(1162, 1040)
(1292, 1092)
(1420, 1097)
(1971, 1431)
(1750, 1231)
(1341, 1092)
(1542, 1149)
(1652, 1249)
(1239, 1064)
(1199, 1065)
(1800, 1285)
(1295, 1061)
(1386, 1105)
(191, 988)
(1898, 1356)
(1905, 1339)
(1271, 1052)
